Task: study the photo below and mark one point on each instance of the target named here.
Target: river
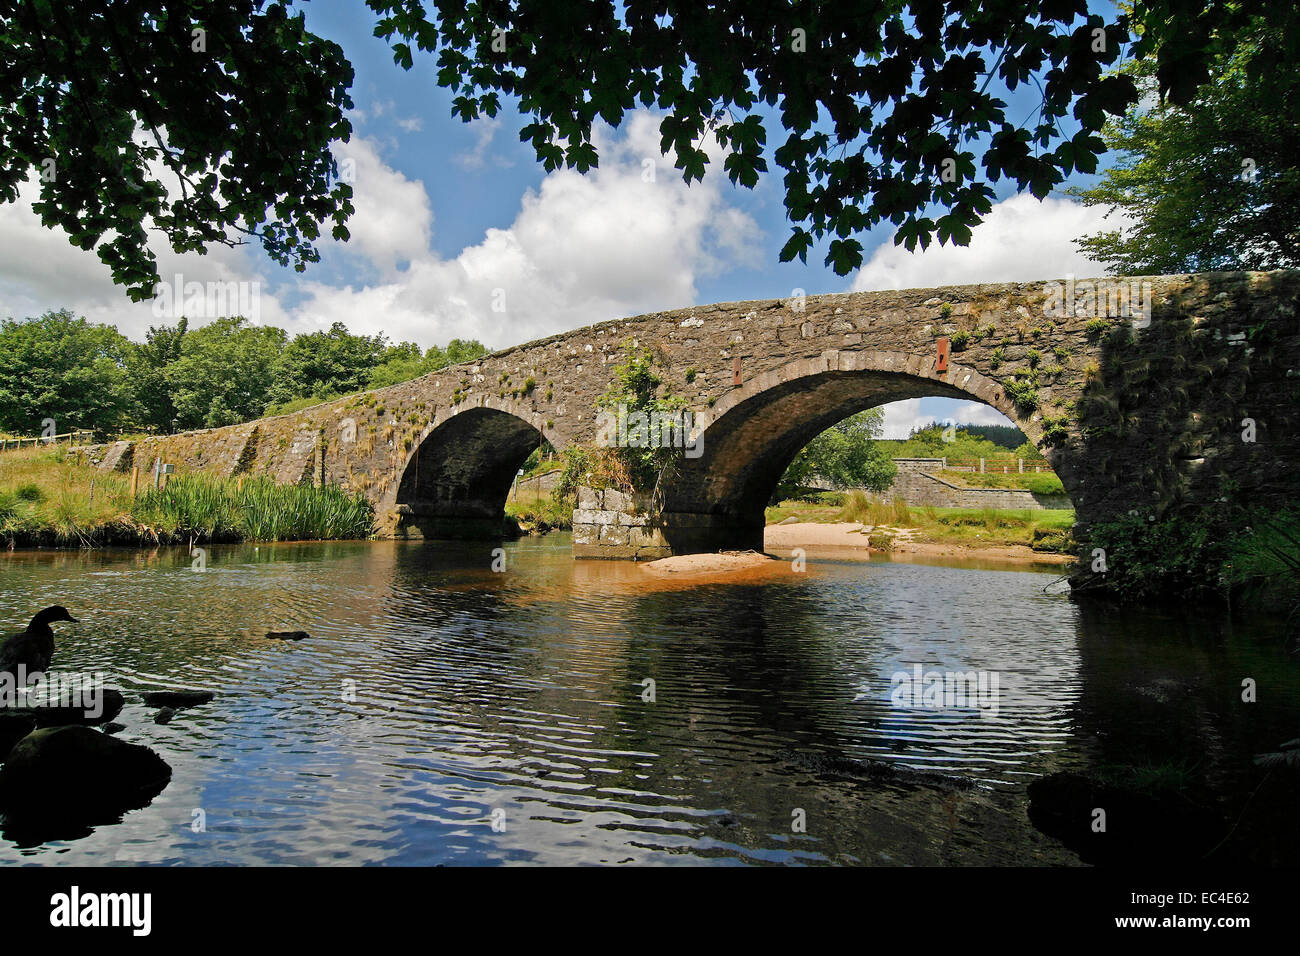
(442, 712)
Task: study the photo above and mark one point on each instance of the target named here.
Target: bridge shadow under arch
(458, 476)
(717, 501)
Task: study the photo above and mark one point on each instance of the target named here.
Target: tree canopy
(85, 375)
(1211, 185)
(64, 369)
(169, 114)
(846, 455)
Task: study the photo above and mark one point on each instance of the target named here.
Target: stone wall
(916, 485)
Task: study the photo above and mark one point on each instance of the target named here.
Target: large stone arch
(750, 436)
(455, 481)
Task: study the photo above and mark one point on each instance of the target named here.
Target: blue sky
(451, 215)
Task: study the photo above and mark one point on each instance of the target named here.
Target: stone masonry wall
(916, 485)
(611, 524)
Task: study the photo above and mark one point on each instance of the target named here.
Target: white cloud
(1020, 240)
(582, 249)
(393, 221)
(901, 417)
(485, 130)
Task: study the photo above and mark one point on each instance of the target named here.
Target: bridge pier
(609, 524)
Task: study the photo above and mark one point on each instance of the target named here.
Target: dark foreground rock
(76, 774)
(177, 698)
(287, 635)
(13, 728)
(1140, 825)
(48, 715)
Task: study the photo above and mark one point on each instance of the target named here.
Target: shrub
(1095, 327)
(1179, 554)
(1023, 394)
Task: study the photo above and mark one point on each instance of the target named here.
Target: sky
(452, 218)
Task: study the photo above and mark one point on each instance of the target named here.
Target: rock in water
(1141, 824)
(177, 698)
(288, 635)
(13, 728)
(52, 715)
(165, 715)
(76, 773)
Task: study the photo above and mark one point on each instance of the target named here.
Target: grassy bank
(973, 527)
(1040, 483)
(537, 512)
(48, 500)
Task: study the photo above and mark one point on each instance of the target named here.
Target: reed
(46, 497)
(204, 507)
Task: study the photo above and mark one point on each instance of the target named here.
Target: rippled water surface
(434, 692)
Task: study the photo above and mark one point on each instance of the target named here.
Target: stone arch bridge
(1135, 412)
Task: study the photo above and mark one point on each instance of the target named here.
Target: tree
(66, 369)
(224, 373)
(149, 364)
(966, 442)
(169, 115)
(885, 104)
(1213, 185)
(844, 456)
(324, 364)
(404, 362)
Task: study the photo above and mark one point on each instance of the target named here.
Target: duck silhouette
(34, 647)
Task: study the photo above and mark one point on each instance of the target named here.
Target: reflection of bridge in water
(1129, 417)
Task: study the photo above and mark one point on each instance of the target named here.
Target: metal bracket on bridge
(941, 365)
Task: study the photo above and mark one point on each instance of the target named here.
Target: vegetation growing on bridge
(636, 465)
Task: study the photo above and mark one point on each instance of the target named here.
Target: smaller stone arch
(456, 478)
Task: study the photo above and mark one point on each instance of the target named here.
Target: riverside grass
(47, 499)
